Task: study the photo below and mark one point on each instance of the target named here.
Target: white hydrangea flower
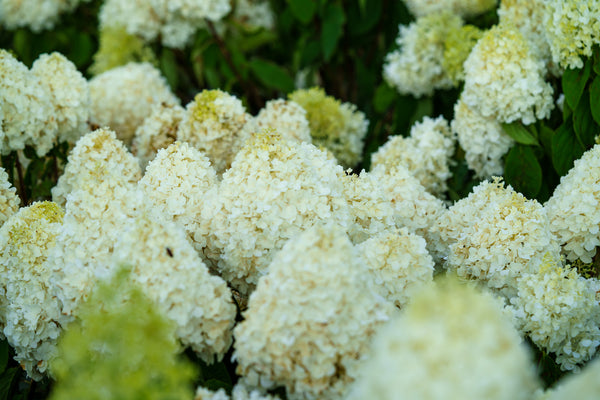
(254, 14)
(414, 207)
(560, 312)
(157, 132)
(213, 123)
(464, 8)
(287, 117)
(450, 342)
(416, 67)
(495, 235)
(482, 139)
(194, 10)
(371, 208)
(137, 17)
(172, 275)
(97, 156)
(25, 109)
(239, 392)
(426, 153)
(505, 80)
(176, 183)
(573, 28)
(69, 94)
(28, 312)
(399, 262)
(9, 201)
(582, 386)
(37, 15)
(273, 191)
(310, 320)
(123, 97)
(573, 208)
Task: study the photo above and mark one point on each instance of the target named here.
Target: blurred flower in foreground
(464, 8)
(37, 15)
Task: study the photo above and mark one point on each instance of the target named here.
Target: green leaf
(384, 97)
(596, 51)
(272, 75)
(303, 10)
(565, 148)
(546, 135)
(3, 355)
(595, 99)
(7, 380)
(333, 27)
(168, 66)
(520, 134)
(523, 171)
(573, 83)
(583, 123)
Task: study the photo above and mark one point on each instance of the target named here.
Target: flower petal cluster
(28, 311)
(560, 311)
(482, 139)
(337, 126)
(9, 201)
(426, 153)
(464, 8)
(118, 47)
(158, 131)
(582, 386)
(175, 185)
(572, 28)
(451, 341)
(457, 47)
(573, 208)
(310, 320)
(416, 68)
(495, 235)
(254, 14)
(213, 124)
(124, 96)
(239, 392)
(505, 80)
(399, 262)
(34, 14)
(41, 105)
(274, 190)
(287, 117)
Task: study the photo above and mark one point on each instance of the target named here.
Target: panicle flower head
(505, 80)
(213, 124)
(254, 14)
(9, 201)
(451, 341)
(457, 47)
(36, 15)
(464, 8)
(582, 386)
(286, 117)
(311, 317)
(28, 311)
(337, 126)
(124, 96)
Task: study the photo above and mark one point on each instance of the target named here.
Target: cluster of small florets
(39, 106)
(9, 201)
(287, 117)
(34, 14)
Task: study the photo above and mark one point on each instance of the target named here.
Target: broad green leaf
(7, 379)
(565, 148)
(272, 75)
(303, 10)
(546, 135)
(520, 134)
(333, 27)
(523, 171)
(573, 83)
(168, 66)
(361, 21)
(595, 99)
(596, 51)
(384, 97)
(583, 123)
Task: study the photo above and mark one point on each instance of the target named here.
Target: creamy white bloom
(464, 8)
(287, 117)
(426, 153)
(157, 132)
(582, 386)
(239, 392)
(68, 92)
(213, 124)
(482, 139)
(505, 80)
(416, 67)
(310, 320)
(123, 97)
(560, 311)
(96, 157)
(399, 263)
(273, 191)
(137, 17)
(573, 28)
(9, 201)
(175, 185)
(254, 14)
(450, 342)
(28, 312)
(495, 235)
(573, 208)
(37, 15)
